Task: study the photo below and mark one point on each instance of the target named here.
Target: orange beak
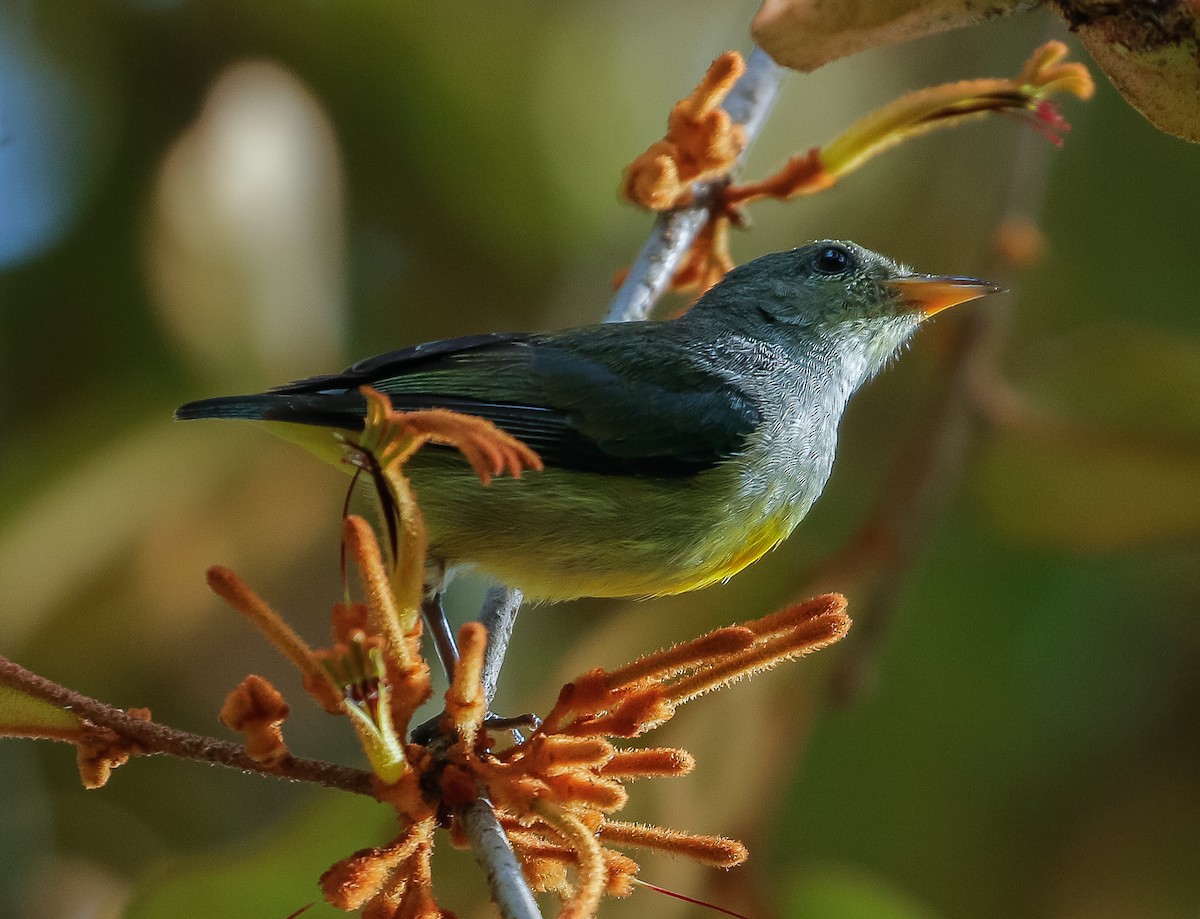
(928, 294)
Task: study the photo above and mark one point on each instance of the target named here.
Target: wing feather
(581, 399)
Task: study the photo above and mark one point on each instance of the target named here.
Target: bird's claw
(494, 722)
(427, 732)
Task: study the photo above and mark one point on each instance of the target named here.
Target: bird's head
(837, 297)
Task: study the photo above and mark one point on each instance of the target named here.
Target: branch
(159, 738)
(748, 104)
(499, 615)
(495, 856)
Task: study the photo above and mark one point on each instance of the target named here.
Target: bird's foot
(528, 721)
(427, 732)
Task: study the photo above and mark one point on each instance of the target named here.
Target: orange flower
(701, 144)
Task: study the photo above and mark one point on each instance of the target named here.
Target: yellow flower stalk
(1044, 74)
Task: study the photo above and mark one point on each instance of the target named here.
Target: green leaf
(1060, 494)
(23, 715)
(806, 34)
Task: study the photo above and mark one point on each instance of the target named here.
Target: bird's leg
(434, 615)
(439, 627)
(514, 723)
(427, 731)
(447, 651)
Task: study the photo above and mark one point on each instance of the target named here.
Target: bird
(676, 452)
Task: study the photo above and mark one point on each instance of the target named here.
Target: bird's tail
(249, 408)
(344, 410)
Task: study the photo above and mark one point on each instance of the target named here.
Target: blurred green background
(201, 198)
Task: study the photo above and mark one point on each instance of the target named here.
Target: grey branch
(499, 615)
(748, 104)
(495, 857)
(674, 232)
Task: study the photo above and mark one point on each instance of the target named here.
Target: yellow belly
(560, 534)
(759, 539)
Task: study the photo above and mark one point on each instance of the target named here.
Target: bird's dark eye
(833, 260)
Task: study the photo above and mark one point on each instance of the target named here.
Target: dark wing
(577, 398)
(371, 371)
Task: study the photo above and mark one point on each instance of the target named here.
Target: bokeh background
(201, 198)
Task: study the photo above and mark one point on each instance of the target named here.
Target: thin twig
(159, 738)
(748, 103)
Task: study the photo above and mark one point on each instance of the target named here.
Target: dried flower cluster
(99, 750)
(701, 146)
(555, 792)
(701, 143)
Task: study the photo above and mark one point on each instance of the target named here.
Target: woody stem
(159, 738)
